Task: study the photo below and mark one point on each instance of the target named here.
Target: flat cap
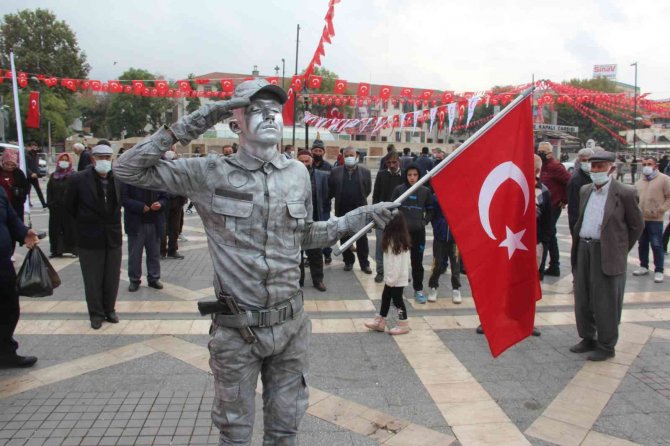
(102, 149)
(602, 155)
(250, 88)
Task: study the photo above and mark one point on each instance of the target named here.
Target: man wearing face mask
(93, 200)
(654, 191)
(609, 224)
(350, 185)
(579, 178)
(256, 207)
(555, 177)
(318, 152)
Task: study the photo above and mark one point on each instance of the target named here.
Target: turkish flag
(426, 94)
(70, 84)
(273, 80)
(406, 92)
(340, 86)
(447, 97)
(384, 92)
(161, 85)
(33, 118)
(114, 87)
(363, 89)
(314, 81)
(488, 195)
(227, 85)
(138, 87)
(287, 109)
(184, 85)
(296, 82)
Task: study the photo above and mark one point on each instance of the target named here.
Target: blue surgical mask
(599, 178)
(350, 161)
(103, 166)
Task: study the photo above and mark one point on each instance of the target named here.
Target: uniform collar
(249, 162)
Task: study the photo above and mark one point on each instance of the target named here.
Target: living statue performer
(256, 207)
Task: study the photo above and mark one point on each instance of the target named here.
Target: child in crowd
(396, 243)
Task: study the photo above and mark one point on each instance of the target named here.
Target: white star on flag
(513, 241)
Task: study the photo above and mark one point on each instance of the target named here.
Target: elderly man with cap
(579, 178)
(93, 200)
(256, 207)
(84, 156)
(318, 151)
(609, 224)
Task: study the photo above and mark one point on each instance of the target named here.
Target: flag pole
(19, 129)
(435, 170)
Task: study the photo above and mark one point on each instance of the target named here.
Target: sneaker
(419, 297)
(175, 255)
(456, 296)
(379, 278)
(641, 272)
(348, 267)
(432, 294)
(553, 271)
(376, 324)
(658, 277)
(400, 329)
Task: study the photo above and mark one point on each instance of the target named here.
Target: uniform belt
(267, 317)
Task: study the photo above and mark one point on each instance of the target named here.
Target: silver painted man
(256, 207)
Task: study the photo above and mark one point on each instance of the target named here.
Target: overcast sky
(438, 44)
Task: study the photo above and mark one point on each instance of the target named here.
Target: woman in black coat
(62, 235)
(14, 181)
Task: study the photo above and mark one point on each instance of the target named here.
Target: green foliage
(192, 104)
(134, 113)
(93, 113)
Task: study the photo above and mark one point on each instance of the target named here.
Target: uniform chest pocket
(234, 215)
(297, 213)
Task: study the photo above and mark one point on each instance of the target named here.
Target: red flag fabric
(406, 92)
(70, 84)
(287, 109)
(314, 82)
(227, 85)
(274, 80)
(184, 85)
(340, 86)
(384, 92)
(296, 83)
(161, 85)
(363, 89)
(138, 87)
(33, 118)
(426, 94)
(487, 194)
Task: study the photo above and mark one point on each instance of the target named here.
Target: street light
(635, 113)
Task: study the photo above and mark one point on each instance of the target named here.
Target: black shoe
(175, 255)
(328, 260)
(55, 256)
(536, 332)
(379, 278)
(96, 324)
(157, 284)
(133, 287)
(301, 283)
(554, 271)
(585, 345)
(14, 360)
(348, 267)
(480, 329)
(320, 286)
(112, 318)
(366, 269)
(600, 355)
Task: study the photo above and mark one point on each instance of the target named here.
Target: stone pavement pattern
(146, 380)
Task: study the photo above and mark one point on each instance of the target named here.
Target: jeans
(379, 253)
(652, 235)
(416, 257)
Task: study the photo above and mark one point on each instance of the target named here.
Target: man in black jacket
(350, 185)
(33, 168)
(94, 203)
(387, 180)
(12, 230)
(84, 156)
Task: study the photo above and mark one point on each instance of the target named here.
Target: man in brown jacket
(653, 187)
(609, 224)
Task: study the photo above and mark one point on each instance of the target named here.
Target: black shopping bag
(36, 278)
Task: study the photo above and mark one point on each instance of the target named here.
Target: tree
(42, 45)
(93, 112)
(134, 113)
(568, 115)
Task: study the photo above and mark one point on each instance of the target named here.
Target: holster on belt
(227, 304)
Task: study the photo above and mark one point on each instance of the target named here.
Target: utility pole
(635, 113)
(295, 94)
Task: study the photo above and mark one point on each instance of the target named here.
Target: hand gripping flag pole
(442, 165)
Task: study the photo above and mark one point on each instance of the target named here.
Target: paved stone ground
(149, 383)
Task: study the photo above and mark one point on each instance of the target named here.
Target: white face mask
(169, 155)
(350, 161)
(63, 164)
(599, 178)
(647, 170)
(585, 166)
(103, 166)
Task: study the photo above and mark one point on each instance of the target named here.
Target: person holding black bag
(12, 230)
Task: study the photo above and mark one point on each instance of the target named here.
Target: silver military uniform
(257, 216)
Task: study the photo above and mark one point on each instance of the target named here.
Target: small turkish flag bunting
(406, 92)
(340, 86)
(384, 92)
(315, 81)
(363, 89)
(227, 85)
(296, 82)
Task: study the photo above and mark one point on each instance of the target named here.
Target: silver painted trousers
(280, 355)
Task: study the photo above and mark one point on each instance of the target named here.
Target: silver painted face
(262, 121)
